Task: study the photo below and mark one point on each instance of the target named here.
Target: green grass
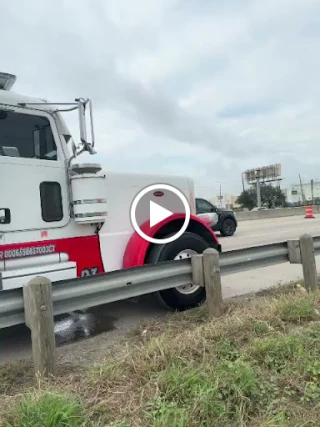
(297, 311)
(46, 409)
(258, 365)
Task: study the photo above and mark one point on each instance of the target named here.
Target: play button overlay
(155, 204)
(158, 213)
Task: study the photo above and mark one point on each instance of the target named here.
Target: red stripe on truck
(84, 250)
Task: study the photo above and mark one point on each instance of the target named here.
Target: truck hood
(224, 210)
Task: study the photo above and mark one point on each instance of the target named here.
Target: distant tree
(248, 199)
(271, 197)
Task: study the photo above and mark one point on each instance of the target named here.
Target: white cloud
(198, 88)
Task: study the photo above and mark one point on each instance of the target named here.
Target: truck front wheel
(183, 297)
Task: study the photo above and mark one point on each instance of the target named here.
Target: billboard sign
(264, 173)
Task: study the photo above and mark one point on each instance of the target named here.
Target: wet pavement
(80, 325)
(69, 328)
(121, 316)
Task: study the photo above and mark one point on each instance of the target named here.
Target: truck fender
(137, 247)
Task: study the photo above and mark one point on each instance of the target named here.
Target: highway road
(261, 232)
(114, 320)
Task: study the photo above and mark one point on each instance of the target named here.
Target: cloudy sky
(194, 87)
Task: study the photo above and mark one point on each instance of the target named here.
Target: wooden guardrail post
(308, 260)
(38, 308)
(212, 282)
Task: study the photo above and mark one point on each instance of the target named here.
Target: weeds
(297, 310)
(48, 409)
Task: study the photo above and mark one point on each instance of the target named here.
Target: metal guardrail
(78, 294)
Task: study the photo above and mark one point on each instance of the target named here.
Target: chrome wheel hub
(190, 288)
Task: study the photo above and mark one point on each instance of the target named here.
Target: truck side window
(202, 206)
(27, 136)
(51, 201)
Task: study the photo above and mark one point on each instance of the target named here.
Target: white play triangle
(158, 213)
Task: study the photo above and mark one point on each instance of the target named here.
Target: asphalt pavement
(263, 231)
(116, 319)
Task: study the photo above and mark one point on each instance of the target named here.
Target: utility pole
(220, 196)
(242, 182)
(258, 193)
(302, 194)
(312, 198)
(258, 188)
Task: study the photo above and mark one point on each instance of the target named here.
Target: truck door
(33, 180)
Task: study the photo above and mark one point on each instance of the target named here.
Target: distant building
(227, 201)
(294, 194)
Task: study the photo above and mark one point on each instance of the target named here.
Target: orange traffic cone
(309, 212)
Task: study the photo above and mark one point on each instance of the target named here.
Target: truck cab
(64, 219)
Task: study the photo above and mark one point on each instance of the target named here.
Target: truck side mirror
(82, 121)
(83, 126)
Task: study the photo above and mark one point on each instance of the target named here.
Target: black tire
(172, 298)
(228, 227)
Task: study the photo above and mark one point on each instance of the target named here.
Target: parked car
(227, 221)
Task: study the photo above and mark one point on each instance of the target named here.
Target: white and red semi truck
(63, 219)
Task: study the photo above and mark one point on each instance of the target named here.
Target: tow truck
(63, 219)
